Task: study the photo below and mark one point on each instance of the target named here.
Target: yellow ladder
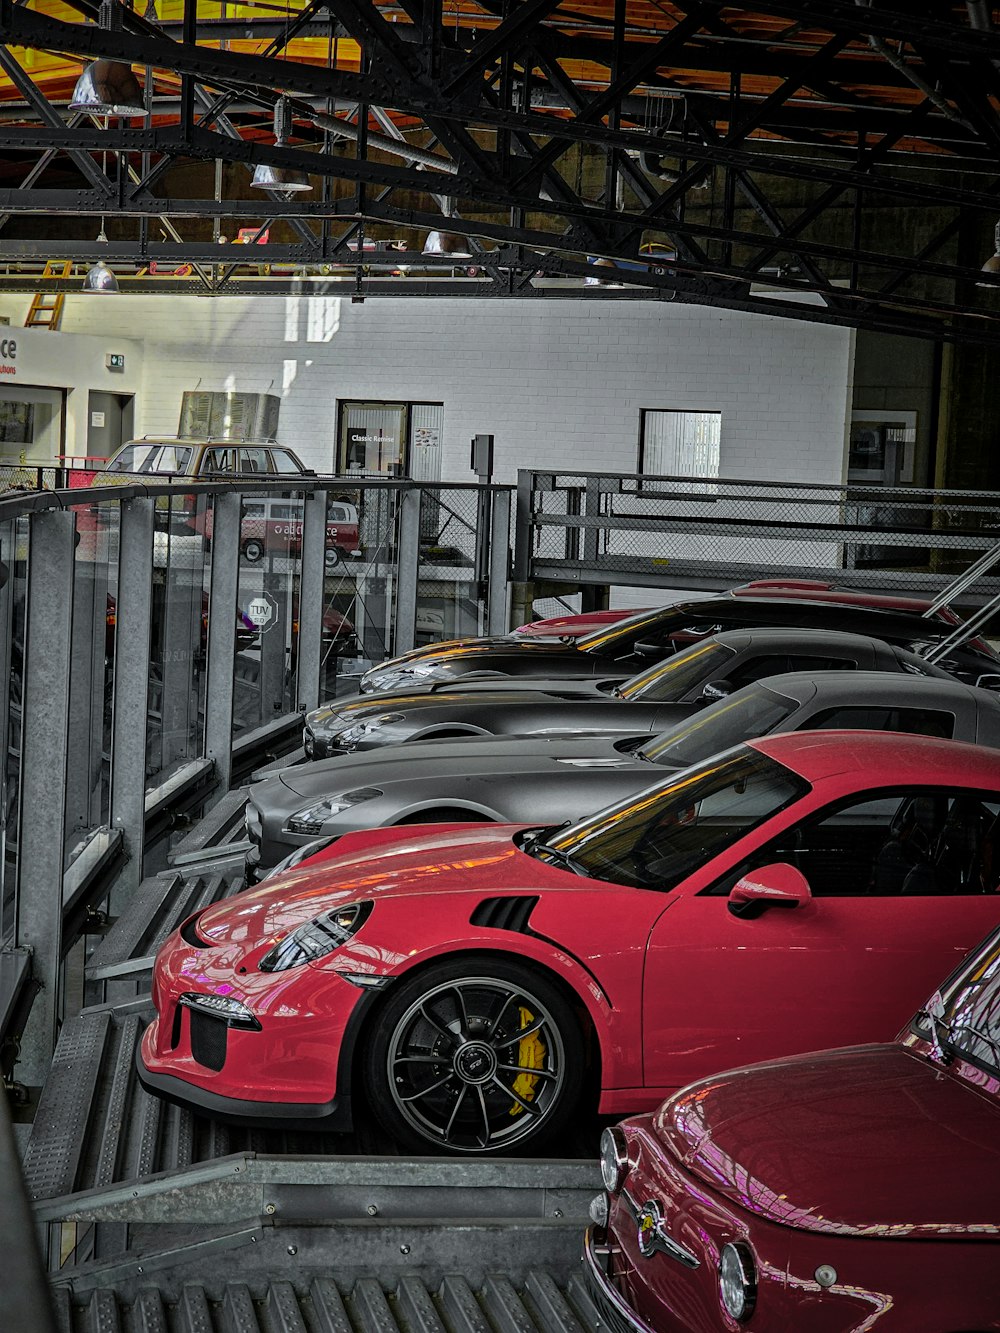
(47, 307)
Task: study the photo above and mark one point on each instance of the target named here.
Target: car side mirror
(713, 690)
(776, 885)
(989, 681)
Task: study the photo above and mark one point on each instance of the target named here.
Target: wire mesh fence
(628, 528)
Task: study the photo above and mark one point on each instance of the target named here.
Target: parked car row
(611, 887)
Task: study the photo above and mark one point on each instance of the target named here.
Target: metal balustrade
(714, 532)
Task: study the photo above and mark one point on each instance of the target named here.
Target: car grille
(208, 1039)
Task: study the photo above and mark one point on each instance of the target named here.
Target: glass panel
(91, 687)
(449, 605)
(13, 571)
(372, 438)
(680, 444)
(30, 425)
(177, 677)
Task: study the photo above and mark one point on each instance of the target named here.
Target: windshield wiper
(988, 1041)
(561, 858)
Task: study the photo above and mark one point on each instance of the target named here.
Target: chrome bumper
(617, 1314)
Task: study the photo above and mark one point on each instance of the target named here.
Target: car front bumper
(616, 1313)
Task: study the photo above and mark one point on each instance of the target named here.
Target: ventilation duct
(229, 416)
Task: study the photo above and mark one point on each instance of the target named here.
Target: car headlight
(614, 1159)
(312, 819)
(737, 1281)
(316, 938)
(359, 730)
(400, 677)
(295, 858)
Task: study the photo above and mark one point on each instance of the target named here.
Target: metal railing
(714, 532)
(153, 650)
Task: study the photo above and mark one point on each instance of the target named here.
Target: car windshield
(656, 839)
(618, 639)
(670, 680)
(963, 1019)
(749, 713)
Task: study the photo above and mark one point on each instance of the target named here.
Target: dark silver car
(656, 698)
(648, 637)
(523, 780)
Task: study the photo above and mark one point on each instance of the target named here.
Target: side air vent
(189, 934)
(505, 913)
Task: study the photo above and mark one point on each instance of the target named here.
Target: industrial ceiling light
(448, 244)
(108, 87)
(100, 278)
(992, 264)
(288, 179)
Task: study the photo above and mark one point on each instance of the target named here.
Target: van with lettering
(274, 527)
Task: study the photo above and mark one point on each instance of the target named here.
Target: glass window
(671, 680)
(680, 444)
(391, 439)
(254, 460)
(217, 460)
(253, 509)
(918, 721)
(153, 457)
(655, 840)
(897, 844)
(965, 1019)
(283, 461)
(286, 512)
(719, 727)
(777, 664)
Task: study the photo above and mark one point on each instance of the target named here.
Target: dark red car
(587, 622)
(474, 985)
(841, 1192)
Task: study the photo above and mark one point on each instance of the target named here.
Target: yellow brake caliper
(530, 1055)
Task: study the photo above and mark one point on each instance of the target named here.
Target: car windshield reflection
(656, 839)
(750, 713)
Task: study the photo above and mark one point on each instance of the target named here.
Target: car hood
(866, 1141)
(457, 648)
(398, 862)
(457, 697)
(450, 760)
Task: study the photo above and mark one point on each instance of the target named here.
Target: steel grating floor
(542, 1304)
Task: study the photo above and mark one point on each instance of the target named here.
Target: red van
(274, 527)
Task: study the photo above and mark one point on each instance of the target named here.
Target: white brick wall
(559, 383)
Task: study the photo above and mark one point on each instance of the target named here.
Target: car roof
(890, 758)
(876, 687)
(767, 636)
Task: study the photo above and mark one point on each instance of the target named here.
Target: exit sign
(115, 361)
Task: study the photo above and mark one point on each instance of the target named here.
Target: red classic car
(472, 984)
(841, 1192)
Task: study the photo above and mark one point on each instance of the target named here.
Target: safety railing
(161, 639)
(615, 528)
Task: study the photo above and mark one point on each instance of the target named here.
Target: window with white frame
(679, 444)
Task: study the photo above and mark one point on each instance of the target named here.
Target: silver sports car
(657, 698)
(529, 779)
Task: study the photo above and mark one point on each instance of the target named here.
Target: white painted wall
(559, 383)
(75, 362)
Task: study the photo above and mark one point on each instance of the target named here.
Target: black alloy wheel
(334, 556)
(478, 1056)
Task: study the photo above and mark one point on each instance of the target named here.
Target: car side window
(933, 842)
(253, 509)
(337, 514)
(286, 512)
(283, 461)
(217, 460)
(254, 460)
(776, 664)
(918, 721)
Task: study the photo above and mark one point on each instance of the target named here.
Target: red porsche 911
(470, 985)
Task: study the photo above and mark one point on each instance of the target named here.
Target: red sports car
(842, 1192)
(472, 983)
